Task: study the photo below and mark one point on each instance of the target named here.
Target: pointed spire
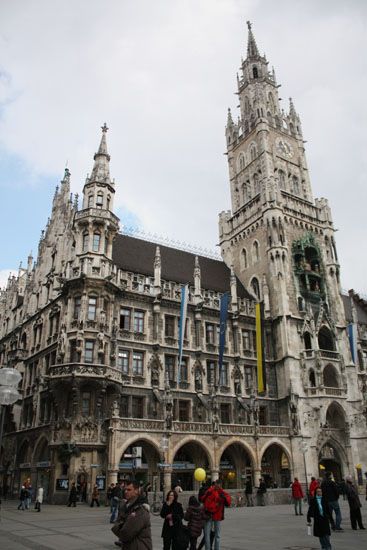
(101, 169)
(252, 50)
(229, 118)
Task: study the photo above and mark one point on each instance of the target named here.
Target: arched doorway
(41, 459)
(24, 464)
(140, 460)
(188, 457)
(275, 467)
(329, 461)
(235, 466)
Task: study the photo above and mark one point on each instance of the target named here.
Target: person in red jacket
(297, 495)
(214, 500)
(313, 486)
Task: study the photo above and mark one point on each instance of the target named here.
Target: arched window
(243, 258)
(248, 191)
(307, 340)
(255, 252)
(281, 176)
(255, 72)
(99, 202)
(330, 377)
(90, 201)
(255, 287)
(241, 161)
(85, 241)
(295, 182)
(335, 416)
(256, 184)
(312, 378)
(96, 241)
(326, 339)
(253, 152)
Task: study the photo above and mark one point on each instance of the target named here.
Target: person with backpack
(195, 516)
(172, 513)
(214, 500)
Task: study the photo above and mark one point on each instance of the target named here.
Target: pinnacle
(252, 50)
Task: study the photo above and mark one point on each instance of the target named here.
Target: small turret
(157, 271)
(197, 281)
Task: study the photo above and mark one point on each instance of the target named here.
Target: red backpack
(211, 501)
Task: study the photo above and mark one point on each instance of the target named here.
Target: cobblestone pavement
(268, 528)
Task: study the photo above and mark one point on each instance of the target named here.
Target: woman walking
(195, 516)
(297, 495)
(354, 504)
(319, 511)
(95, 496)
(172, 513)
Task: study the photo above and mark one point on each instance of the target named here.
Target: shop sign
(62, 485)
(164, 465)
(25, 465)
(95, 465)
(44, 464)
(101, 482)
(183, 466)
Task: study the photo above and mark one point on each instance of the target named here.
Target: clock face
(284, 148)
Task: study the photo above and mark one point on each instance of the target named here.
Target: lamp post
(303, 448)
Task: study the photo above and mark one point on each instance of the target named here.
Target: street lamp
(9, 380)
(303, 448)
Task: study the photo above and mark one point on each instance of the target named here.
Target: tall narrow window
(169, 326)
(77, 307)
(255, 252)
(123, 361)
(92, 308)
(139, 321)
(243, 258)
(96, 241)
(85, 242)
(90, 201)
(295, 185)
(138, 363)
(211, 367)
(209, 333)
(255, 72)
(99, 202)
(169, 365)
(224, 375)
(138, 407)
(86, 399)
(184, 370)
(281, 176)
(256, 184)
(125, 319)
(225, 413)
(255, 287)
(89, 351)
(248, 377)
(184, 410)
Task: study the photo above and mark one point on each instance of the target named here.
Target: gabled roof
(137, 255)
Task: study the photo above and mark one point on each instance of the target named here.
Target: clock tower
(280, 242)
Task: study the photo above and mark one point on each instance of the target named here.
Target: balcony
(85, 370)
(325, 354)
(326, 391)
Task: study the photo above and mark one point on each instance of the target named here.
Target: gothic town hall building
(92, 325)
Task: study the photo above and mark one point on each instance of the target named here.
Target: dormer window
(99, 202)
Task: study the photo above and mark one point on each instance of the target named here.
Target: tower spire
(252, 50)
(101, 168)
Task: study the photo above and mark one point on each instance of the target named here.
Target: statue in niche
(168, 405)
(62, 341)
(114, 327)
(155, 375)
(254, 410)
(115, 409)
(294, 413)
(198, 380)
(100, 340)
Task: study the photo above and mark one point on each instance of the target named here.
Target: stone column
(167, 480)
(215, 475)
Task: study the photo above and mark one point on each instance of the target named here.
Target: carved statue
(62, 340)
(294, 413)
(100, 340)
(102, 319)
(115, 409)
(168, 406)
(198, 380)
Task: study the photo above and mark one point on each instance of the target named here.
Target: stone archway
(42, 463)
(187, 458)
(330, 461)
(235, 465)
(140, 460)
(276, 466)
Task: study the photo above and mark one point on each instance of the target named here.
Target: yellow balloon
(321, 467)
(199, 474)
(231, 475)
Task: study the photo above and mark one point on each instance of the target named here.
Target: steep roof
(137, 255)
(360, 305)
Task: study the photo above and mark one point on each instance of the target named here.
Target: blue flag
(183, 314)
(222, 330)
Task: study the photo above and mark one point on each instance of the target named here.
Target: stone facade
(92, 326)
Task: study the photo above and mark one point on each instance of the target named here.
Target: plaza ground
(269, 528)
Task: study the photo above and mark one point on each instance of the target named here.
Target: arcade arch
(235, 465)
(186, 459)
(276, 466)
(140, 460)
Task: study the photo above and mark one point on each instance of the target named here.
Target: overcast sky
(162, 74)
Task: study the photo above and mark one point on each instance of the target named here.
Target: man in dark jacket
(248, 492)
(320, 512)
(116, 497)
(261, 492)
(354, 504)
(330, 492)
(133, 524)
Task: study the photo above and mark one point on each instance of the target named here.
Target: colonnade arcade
(232, 461)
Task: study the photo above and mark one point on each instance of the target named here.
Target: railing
(85, 369)
(236, 429)
(141, 424)
(322, 390)
(338, 392)
(328, 354)
(322, 353)
(273, 430)
(192, 427)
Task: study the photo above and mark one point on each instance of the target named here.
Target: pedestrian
(331, 493)
(195, 516)
(109, 496)
(342, 486)
(73, 495)
(248, 492)
(297, 495)
(39, 499)
(261, 492)
(172, 513)
(354, 504)
(117, 497)
(22, 498)
(320, 512)
(205, 486)
(313, 486)
(214, 500)
(95, 496)
(178, 487)
(133, 524)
